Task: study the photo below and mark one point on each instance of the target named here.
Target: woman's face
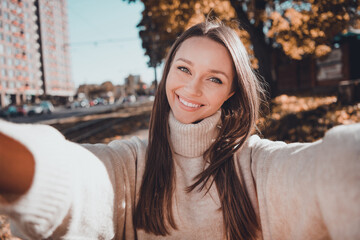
(199, 80)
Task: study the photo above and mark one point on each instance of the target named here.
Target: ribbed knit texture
(192, 140)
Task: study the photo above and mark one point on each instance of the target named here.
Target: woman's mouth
(188, 104)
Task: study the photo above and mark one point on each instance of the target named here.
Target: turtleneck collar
(192, 140)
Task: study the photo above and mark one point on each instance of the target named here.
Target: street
(62, 112)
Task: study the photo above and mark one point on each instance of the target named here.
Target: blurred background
(91, 68)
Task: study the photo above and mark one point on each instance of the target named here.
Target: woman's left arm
(338, 181)
(309, 190)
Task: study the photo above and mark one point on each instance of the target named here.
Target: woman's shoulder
(127, 150)
(264, 154)
(344, 135)
(257, 144)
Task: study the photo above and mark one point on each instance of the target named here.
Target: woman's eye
(216, 80)
(184, 69)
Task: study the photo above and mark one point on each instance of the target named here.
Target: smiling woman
(200, 175)
(196, 76)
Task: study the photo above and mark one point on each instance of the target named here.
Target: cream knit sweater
(299, 191)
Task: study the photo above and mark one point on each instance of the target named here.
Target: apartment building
(34, 55)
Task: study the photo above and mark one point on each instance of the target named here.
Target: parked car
(35, 110)
(22, 110)
(42, 107)
(3, 113)
(79, 104)
(47, 107)
(11, 111)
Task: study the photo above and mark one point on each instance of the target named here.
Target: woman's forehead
(207, 53)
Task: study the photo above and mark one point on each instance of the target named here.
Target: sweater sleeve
(309, 190)
(72, 195)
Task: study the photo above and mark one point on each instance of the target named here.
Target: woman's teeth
(189, 104)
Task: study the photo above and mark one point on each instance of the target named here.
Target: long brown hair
(153, 212)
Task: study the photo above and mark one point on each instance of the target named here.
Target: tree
(299, 28)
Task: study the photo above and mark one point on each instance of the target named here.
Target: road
(62, 112)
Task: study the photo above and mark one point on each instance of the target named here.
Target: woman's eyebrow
(185, 60)
(210, 70)
(219, 72)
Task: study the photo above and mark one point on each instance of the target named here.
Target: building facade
(34, 55)
(326, 73)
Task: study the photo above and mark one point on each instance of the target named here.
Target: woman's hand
(17, 166)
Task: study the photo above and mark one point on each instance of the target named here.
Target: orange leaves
(279, 24)
(221, 9)
(296, 18)
(310, 30)
(322, 50)
(300, 27)
(305, 118)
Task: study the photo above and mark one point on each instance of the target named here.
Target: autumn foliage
(299, 28)
(308, 28)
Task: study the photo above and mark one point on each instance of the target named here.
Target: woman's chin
(186, 119)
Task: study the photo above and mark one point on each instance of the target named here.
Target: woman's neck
(192, 140)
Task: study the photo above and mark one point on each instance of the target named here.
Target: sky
(104, 42)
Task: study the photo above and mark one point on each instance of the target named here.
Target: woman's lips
(188, 103)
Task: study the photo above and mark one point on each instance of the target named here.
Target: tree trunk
(156, 81)
(262, 49)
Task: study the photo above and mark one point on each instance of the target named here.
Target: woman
(200, 176)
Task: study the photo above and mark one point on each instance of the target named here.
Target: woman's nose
(193, 86)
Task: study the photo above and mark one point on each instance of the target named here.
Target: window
(1, 48)
(3, 72)
(12, 17)
(5, 4)
(11, 73)
(8, 38)
(9, 50)
(7, 27)
(1, 36)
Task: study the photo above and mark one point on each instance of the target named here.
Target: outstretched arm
(310, 190)
(51, 187)
(17, 167)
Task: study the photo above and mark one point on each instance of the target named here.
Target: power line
(104, 41)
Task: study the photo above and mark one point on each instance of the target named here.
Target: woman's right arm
(51, 187)
(17, 167)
